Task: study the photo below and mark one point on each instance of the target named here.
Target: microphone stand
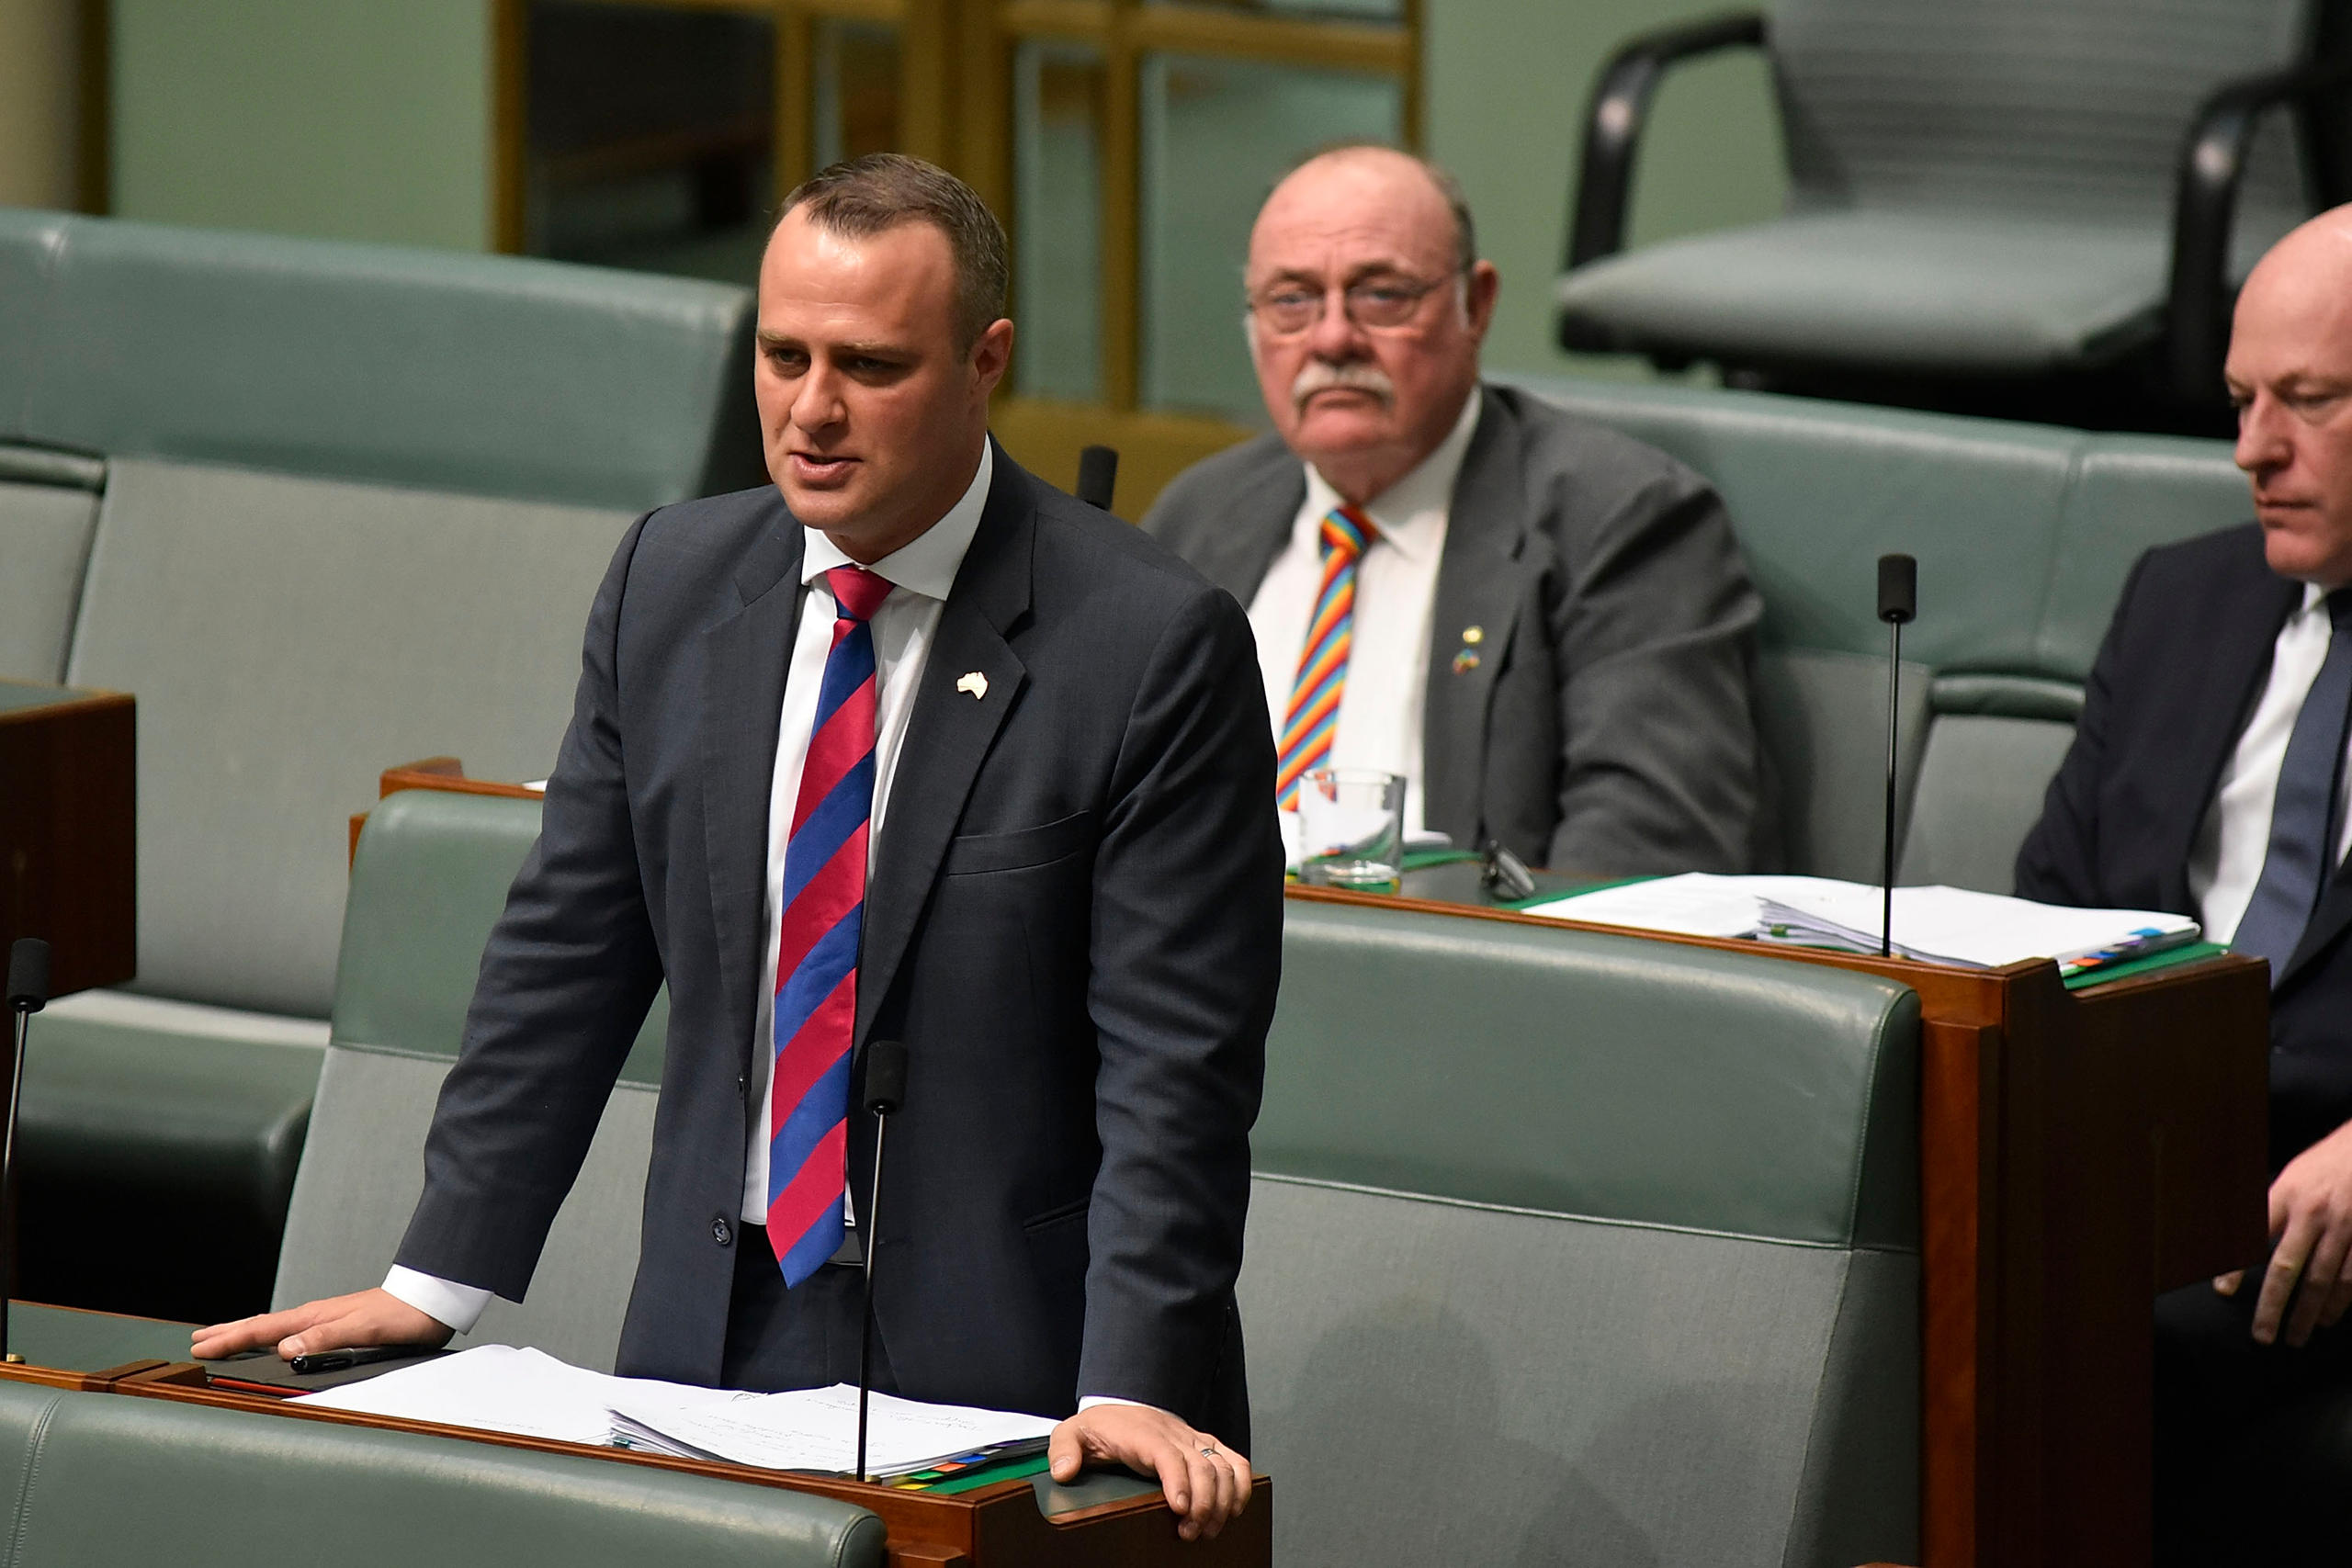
(1098, 475)
(28, 994)
(1898, 601)
(885, 1090)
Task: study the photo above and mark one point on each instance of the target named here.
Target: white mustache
(1356, 375)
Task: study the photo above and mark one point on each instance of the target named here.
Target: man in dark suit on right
(2207, 777)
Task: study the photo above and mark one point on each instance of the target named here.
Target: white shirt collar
(1411, 512)
(928, 563)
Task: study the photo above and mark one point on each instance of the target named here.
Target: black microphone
(28, 994)
(1098, 475)
(884, 1091)
(1898, 601)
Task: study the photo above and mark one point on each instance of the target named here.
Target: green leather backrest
(98, 1480)
(484, 375)
(1609, 1078)
(2023, 533)
(429, 881)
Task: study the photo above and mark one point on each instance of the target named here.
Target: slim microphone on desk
(885, 1090)
(28, 994)
(1098, 476)
(1898, 601)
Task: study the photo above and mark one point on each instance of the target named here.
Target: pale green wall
(363, 120)
(370, 120)
(1506, 85)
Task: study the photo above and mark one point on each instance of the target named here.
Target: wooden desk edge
(921, 1527)
(86, 699)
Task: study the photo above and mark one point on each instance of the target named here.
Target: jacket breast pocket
(1020, 849)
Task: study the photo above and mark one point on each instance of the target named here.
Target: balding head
(2289, 372)
(1366, 391)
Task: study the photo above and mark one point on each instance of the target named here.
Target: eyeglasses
(1291, 307)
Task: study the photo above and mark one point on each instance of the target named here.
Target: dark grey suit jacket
(1074, 923)
(2184, 660)
(1608, 723)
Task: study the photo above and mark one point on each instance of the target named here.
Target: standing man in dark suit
(909, 745)
(1553, 632)
(2207, 777)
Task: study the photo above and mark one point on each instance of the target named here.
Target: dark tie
(2302, 815)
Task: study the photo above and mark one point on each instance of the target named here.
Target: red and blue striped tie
(1322, 680)
(816, 971)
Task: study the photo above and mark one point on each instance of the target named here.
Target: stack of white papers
(1934, 925)
(817, 1429)
(497, 1388)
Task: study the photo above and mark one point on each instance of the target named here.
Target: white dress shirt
(1389, 657)
(921, 575)
(2225, 862)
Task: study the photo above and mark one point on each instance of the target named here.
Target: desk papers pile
(500, 1389)
(1932, 925)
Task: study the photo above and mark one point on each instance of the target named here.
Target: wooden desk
(2079, 1153)
(68, 800)
(1102, 1522)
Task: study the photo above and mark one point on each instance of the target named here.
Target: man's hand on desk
(338, 1322)
(2311, 1226)
(1205, 1483)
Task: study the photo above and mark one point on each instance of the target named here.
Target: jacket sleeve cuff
(444, 1301)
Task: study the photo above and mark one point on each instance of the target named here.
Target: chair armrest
(2212, 163)
(1620, 102)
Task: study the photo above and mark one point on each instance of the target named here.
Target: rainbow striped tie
(824, 906)
(1323, 661)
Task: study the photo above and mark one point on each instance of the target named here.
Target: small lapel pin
(974, 683)
(1464, 662)
(1474, 636)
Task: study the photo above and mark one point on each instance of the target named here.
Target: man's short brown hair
(866, 196)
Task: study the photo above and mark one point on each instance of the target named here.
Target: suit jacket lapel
(949, 731)
(745, 659)
(1236, 552)
(2229, 663)
(1480, 578)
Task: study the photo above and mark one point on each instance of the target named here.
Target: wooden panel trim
(1190, 29)
(73, 702)
(993, 1525)
(510, 67)
(94, 109)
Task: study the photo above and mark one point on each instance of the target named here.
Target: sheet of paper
(817, 1428)
(1687, 905)
(1952, 923)
(501, 1389)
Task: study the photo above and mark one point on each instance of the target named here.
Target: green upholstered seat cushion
(1603, 1076)
(483, 375)
(428, 883)
(288, 640)
(1440, 1382)
(2023, 533)
(1904, 290)
(160, 1142)
(99, 1480)
(45, 543)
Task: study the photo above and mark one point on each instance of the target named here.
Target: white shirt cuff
(443, 1301)
(1092, 1400)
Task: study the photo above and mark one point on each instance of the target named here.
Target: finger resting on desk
(2281, 1276)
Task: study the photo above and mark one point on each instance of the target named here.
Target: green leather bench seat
(48, 506)
(98, 1480)
(429, 881)
(2023, 534)
(1583, 1249)
(324, 508)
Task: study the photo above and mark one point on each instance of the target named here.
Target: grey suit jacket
(1074, 922)
(1606, 718)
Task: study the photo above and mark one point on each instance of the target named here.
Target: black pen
(359, 1355)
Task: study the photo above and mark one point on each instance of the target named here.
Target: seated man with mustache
(1544, 626)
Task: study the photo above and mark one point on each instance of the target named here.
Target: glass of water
(1352, 829)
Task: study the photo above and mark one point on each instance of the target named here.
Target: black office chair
(1985, 196)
